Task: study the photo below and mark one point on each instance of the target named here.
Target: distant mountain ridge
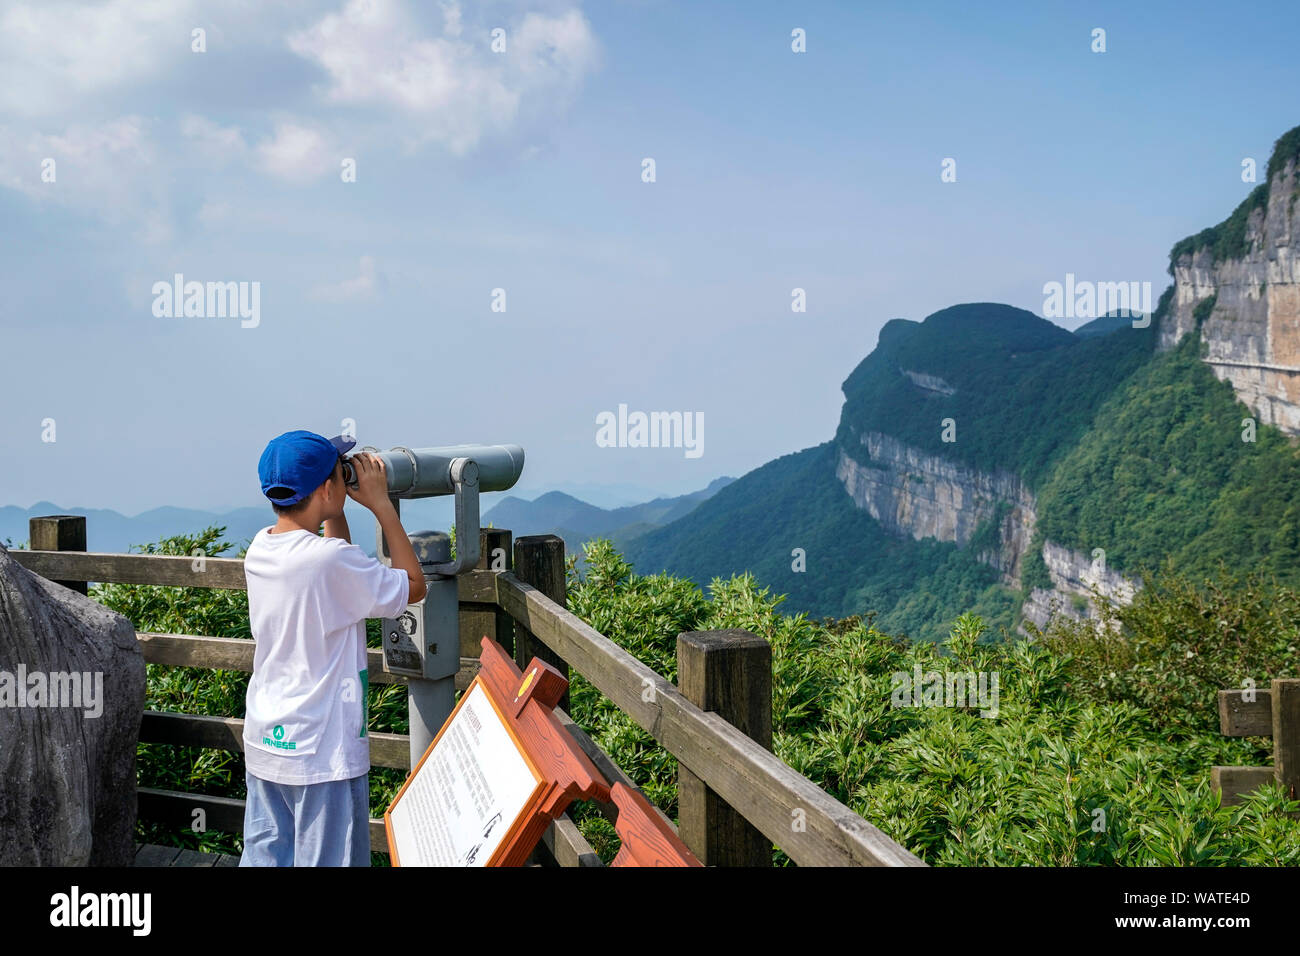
(112, 531)
(554, 512)
(577, 521)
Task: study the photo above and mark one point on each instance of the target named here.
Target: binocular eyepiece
(428, 472)
(349, 473)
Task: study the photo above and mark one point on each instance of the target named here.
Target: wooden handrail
(809, 825)
(236, 654)
(473, 587)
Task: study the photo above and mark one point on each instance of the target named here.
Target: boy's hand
(372, 481)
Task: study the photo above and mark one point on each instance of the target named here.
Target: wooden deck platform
(147, 854)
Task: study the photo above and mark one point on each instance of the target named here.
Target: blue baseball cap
(296, 463)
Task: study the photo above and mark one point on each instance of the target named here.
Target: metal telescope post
(424, 643)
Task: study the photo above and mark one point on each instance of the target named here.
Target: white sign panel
(467, 792)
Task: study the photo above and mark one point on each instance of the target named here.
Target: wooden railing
(736, 798)
(1272, 711)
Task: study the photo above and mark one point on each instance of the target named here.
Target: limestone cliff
(1074, 578)
(1235, 286)
(913, 493)
(920, 495)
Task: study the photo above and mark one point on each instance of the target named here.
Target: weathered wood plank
(567, 846)
(177, 809)
(223, 814)
(794, 813)
(539, 561)
(1286, 733)
(195, 858)
(478, 618)
(163, 569)
(236, 654)
(182, 571)
(1239, 717)
(59, 533)
(225, 859)
(194, 730)
(1231, 782)
(151, 854)
(729, 673)
(227, 733)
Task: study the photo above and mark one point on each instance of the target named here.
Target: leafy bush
(1078, 767)
(1179, 643)
(1057, 778)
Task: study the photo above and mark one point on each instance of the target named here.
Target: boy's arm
(372, 493)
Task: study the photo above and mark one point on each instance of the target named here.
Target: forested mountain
(987, 459)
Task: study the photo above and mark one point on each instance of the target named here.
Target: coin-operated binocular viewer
(424, 643)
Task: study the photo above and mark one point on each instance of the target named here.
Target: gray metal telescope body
(424, 644)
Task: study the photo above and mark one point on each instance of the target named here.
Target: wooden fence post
(59, 533)
(729, 673)
(539, 561)
(479, 619)
(1286, 734)
(1256, 712)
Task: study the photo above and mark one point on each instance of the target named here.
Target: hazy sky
(522, 170)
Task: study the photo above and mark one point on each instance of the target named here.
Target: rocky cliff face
(913, 493)
(1244, 302)
(1074, 576)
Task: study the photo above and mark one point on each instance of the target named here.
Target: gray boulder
(72, 686)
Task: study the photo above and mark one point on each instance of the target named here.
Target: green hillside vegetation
(1026, 389)
(852, 563)
(1165, 476)
(1069, 747)
(1027, 392)
(1087, 721)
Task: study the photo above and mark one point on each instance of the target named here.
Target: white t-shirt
(308, 598)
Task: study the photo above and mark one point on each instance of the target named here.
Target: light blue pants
(315, 824)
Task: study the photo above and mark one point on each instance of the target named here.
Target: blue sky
(522, 171)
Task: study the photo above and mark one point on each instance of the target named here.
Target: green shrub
(1099, 752)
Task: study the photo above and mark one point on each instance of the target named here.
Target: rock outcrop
(72, 687)
(1074, 578)
(914, 493)
(1238, 288)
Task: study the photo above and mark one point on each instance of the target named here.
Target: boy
(305, 748)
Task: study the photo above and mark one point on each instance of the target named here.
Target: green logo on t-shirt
(279, 741)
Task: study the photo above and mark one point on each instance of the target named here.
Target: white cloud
(54, 53)
(214, 140)
(458, 87)
(102, 168)
(363, 286)
(295, 153)
(67, 68)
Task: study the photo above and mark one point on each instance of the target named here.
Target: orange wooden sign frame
(646, 839)
(525, 704)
